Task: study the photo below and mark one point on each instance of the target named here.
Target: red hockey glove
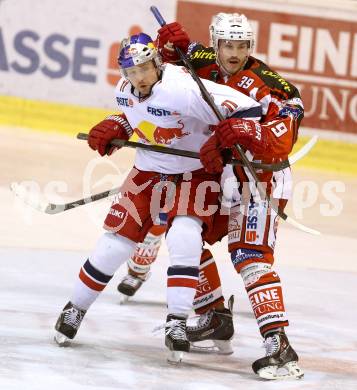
(114, 126)
(177, 36)
(245, 132)
(210, 156)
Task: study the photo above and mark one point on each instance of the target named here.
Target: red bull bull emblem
(166, 135)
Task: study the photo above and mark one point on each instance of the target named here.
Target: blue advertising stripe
(95, 274)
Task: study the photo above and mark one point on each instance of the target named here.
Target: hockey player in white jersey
(162, 105)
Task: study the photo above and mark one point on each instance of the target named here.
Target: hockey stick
(44, 206)
(187, 153)
(247, 164)
(33, 200)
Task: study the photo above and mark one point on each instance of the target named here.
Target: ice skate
(67, 324)
(130, 284)
(215, 327)
(280, 362)
(176, 338)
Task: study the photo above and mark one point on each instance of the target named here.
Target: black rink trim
(94, 273)
(186, 271)
(253, 112)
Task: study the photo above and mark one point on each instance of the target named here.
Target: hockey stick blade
(27, 197)
(33, 200)
(303, 151)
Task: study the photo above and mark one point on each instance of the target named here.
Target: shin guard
(266, 297)
(208, 292)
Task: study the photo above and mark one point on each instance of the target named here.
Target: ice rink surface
(40, 256)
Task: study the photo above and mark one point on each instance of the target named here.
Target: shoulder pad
(272, 78)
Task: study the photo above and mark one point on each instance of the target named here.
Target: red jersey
(265, 86)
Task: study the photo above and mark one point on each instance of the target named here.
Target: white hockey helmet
(231, 27)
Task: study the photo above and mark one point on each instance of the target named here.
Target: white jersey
(175, 115)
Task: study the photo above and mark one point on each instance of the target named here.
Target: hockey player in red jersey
(155, 182)
(251, 234)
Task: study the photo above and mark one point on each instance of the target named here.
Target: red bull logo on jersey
(166, 135)
(153, 134)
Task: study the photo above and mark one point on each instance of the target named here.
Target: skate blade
(175, 357)
(62, 340)
(290, 370)
(219, 347)
(123, 299)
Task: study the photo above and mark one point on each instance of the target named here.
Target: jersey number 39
(246, 82)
